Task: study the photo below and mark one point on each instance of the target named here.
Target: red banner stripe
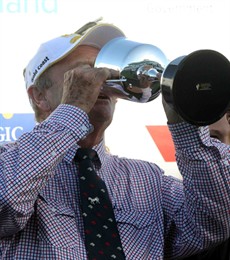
(163, 140)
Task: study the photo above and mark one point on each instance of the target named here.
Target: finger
(114, 74)
(108, 73)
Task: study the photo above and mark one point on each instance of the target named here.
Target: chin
(101, 114)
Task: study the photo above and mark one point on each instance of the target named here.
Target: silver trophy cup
(140, 66)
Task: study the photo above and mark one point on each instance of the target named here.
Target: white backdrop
(177, 27)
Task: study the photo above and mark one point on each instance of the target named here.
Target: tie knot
(85, 153)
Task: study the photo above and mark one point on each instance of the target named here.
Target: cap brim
(96, 36)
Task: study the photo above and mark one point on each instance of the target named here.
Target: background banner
(14, 125)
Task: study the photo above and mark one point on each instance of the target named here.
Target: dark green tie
(102, 238)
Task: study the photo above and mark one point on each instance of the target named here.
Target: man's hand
(82, 85)
(171, 114)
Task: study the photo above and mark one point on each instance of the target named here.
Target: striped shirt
(158, 216)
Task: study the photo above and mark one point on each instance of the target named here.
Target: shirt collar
(101, 149)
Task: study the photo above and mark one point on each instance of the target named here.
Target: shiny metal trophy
(197, 86)
(140, 66)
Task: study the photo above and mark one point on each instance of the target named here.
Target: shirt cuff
(68, 118)
(185, 135)
(195, 142)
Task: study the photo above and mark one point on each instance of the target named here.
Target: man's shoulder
(136, 164)
(4, 146)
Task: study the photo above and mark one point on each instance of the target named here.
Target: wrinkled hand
(171, 114)
(82, 85)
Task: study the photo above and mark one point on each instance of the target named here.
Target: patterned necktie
(102, 239)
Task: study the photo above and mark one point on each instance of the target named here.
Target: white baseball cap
(56, 49)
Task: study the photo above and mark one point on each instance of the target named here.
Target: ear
(38, 97)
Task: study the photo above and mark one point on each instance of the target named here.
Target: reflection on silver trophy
(140, 66)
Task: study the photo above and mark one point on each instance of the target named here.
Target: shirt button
(84, 128)
(53, 153)
(226, 162)
(53, 209)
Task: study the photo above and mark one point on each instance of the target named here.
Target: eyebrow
(214, 131)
